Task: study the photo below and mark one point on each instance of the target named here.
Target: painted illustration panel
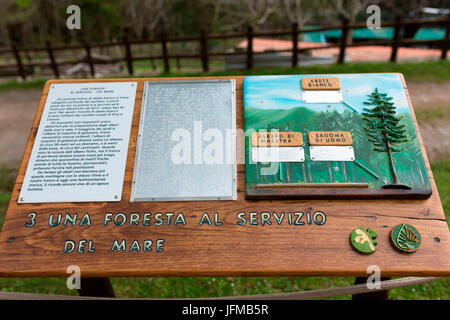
(358, 138)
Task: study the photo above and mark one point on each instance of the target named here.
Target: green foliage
(4, 200)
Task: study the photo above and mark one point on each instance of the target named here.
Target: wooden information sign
(214, 238)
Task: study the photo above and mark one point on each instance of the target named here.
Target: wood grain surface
(227, 249)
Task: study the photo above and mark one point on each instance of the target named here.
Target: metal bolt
(116, 197)
(436, 239)
(12, 239)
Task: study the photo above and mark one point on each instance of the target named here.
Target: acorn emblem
(364, 240)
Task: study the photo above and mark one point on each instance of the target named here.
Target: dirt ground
(436, 131)
(17, 110)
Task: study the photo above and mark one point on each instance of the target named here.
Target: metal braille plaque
(186, 146)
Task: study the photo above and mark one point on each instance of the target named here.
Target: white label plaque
(322, 96)
(278, 154)
(332, 153)
(81, 146)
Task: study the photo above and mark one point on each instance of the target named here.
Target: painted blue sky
(279, 92)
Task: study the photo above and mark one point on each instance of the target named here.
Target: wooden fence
(205, 55)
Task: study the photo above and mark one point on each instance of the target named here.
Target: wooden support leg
(376, 295)
(96, 287)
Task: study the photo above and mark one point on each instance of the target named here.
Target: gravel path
(436, 132)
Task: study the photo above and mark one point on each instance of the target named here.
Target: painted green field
(369, 167)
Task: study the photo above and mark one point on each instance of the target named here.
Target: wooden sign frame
(242, 238)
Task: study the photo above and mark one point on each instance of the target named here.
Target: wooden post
(343, 44)
(396, 38)
(89, 58)
(52, 59)
(294, 44)
(165, 54)
(447, 37)
(128, 56)
(152, 61)
(249, 47)
(377, 295)
(204, 50)
(96, 287)
(20, 68)
(28, 56)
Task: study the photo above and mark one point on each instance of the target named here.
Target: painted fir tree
(384, 130)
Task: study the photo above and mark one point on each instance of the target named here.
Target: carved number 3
(32, 217)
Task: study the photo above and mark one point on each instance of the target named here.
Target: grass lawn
(432, 71)
(227, 286)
